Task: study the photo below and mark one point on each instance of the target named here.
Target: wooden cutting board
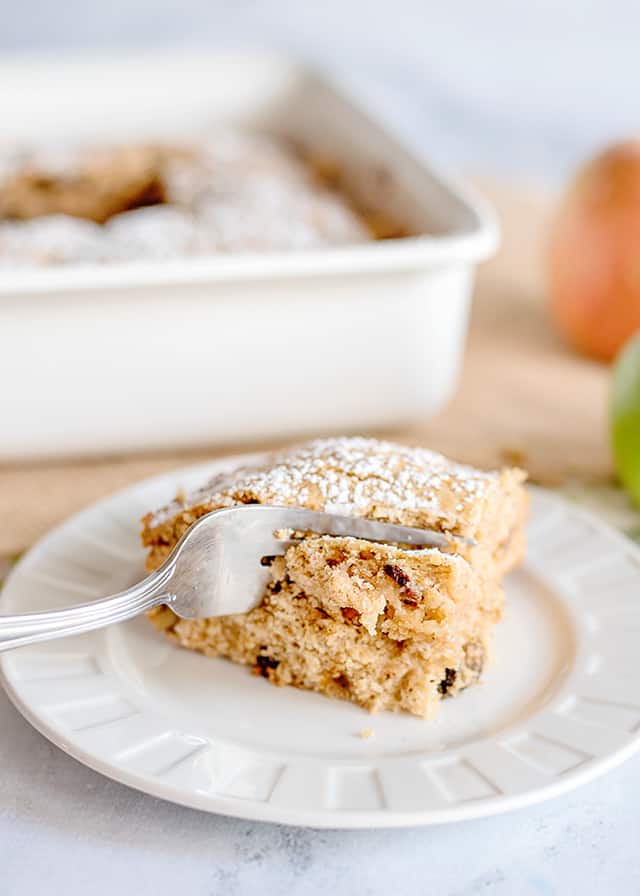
(523, 397)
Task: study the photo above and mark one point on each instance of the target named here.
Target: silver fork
(219, 566)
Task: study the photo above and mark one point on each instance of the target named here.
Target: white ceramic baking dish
(101, 358)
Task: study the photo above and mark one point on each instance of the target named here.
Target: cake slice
(386, 626)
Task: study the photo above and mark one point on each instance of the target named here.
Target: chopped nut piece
(349, 614)
(267, 560)
(447, 682)
(264, 663)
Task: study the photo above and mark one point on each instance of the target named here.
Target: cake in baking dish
(385, 626)
(229, 191)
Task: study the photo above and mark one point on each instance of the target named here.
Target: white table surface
(519, 90)
(66, 830)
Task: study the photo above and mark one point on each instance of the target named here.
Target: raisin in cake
(386, 626)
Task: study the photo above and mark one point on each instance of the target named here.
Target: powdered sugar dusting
(355, 476)
(51, 239)
(232, 191)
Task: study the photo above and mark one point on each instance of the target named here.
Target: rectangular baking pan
(99, 359)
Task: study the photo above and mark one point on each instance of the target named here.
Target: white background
(520, 90)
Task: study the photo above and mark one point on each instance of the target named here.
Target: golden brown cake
(94, 184)
(386, 626)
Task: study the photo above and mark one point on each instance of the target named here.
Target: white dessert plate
(559, 705)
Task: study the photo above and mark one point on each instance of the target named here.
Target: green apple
(625, 417)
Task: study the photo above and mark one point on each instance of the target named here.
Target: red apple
(594, 254)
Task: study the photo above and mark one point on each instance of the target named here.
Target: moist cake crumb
(366, 733)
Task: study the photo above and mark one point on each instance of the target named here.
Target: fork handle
(29, 628)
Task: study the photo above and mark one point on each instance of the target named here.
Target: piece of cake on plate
(386, 626)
